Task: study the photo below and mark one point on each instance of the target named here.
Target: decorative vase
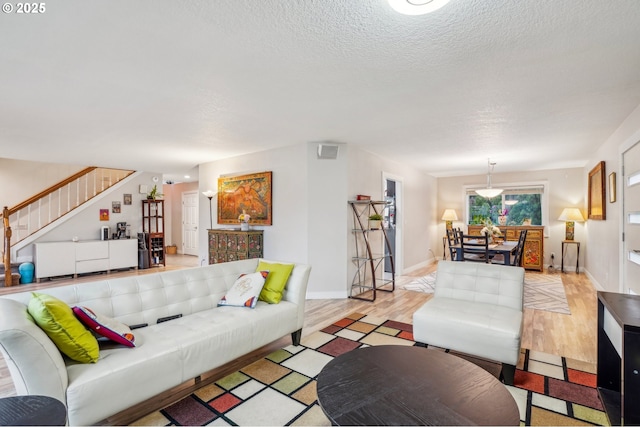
(244, 226)
(502, 220)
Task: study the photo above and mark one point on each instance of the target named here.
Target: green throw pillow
(56, 319)
(276, 281)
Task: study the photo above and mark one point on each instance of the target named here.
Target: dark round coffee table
(399, 385)
(31, 410)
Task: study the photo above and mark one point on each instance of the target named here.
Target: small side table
(569, 242)
(32, 410)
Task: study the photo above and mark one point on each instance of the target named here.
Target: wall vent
(328, 151)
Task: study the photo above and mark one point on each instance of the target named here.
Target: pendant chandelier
(489, 192)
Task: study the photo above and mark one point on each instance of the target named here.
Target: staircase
(28, 217)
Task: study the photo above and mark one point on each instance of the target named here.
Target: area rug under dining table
(541, 291)
(281, 388)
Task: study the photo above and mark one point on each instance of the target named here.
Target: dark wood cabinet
(233, 245)
(619, 356)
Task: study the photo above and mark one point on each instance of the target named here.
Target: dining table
(506, 249)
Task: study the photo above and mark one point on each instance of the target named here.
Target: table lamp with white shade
(449, 216)
(570, 215)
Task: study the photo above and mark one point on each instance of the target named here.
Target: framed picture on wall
(612, 187)
(596, 208)
(126, 198)
(249, 194)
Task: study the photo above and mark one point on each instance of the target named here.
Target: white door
(190, 223)
(631, 222)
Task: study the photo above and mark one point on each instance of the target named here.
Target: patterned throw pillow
(245, 290)
(105, 326)
(56, 319)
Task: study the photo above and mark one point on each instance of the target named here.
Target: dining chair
(474, 248)
(516, 259)
(452, 238)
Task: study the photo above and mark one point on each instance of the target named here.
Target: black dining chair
(516, 259)
(452, 238)
(474, 248)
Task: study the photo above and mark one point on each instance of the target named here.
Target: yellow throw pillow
(56, 319)
(276, 281)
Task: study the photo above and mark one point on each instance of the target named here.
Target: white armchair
(476, 309)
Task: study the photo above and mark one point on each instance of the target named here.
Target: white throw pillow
(246, 290)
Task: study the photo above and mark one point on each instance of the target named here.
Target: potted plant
(375, 221)
(153, 194)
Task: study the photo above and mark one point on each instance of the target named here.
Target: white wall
(22, 179)
(565, 188)
(311, 218)
(603, 252)
(285, 239)
(418, 210)
(85, 223)
(173, 212)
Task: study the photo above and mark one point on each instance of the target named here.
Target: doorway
(631, 219)
(190, 219)
(392, 216)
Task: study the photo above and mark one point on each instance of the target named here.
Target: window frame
(544, 200)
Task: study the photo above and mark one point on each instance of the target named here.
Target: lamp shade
(449, 215)
(571, 214)
(209, 194)
(489, 193)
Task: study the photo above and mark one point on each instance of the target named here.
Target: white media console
(72, 258)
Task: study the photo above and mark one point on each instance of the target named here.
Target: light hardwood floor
(572, 336)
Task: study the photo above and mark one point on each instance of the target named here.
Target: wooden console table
(231, 245)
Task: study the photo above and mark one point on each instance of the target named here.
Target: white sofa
(166, 354)
(476, 309)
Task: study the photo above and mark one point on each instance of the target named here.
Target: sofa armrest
(296, 289)
(35, 363)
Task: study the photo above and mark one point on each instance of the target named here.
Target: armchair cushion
(476, 309)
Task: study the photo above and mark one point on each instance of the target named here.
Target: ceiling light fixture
(416, 7)
(489, 192)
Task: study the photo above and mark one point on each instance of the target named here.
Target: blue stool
(26, 272)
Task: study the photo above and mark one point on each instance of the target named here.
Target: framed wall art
(596, 207)
(249, 194)
(612, 187)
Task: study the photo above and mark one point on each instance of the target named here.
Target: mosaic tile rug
(541, 291)
(280, 389)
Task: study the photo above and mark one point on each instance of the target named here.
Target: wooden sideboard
(231, 245)
(533, 256)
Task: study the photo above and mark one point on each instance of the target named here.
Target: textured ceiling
(163, 85)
